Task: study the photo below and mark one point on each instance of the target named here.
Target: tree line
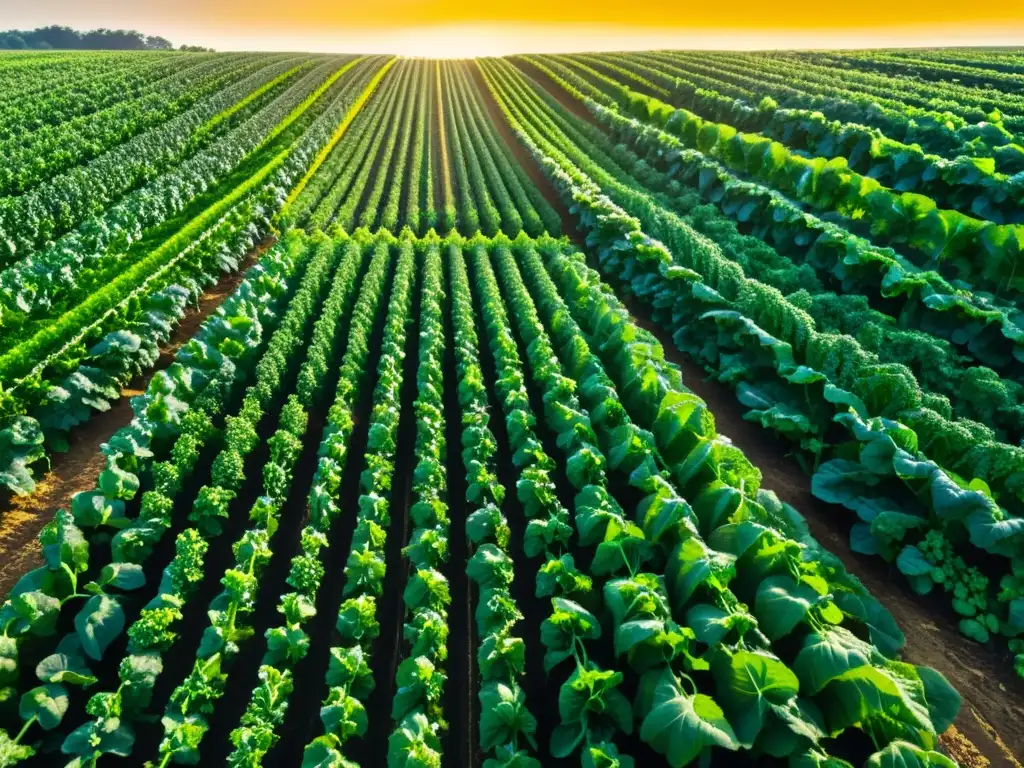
(66, 38)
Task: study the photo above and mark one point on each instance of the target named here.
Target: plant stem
(24, 728)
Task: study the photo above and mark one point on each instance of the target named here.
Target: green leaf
(106, 735)
(64, 544)
(115, 483)
(348, 669)
(427, 634)
(182, 736)
(912, 563)
(560, 577)
(357, 619)
(63, 668)
(604, 754)
(712, 625)
(828, 654)
(490, 567)
(286, 646)
(413, 744)
(98, 624)
(11, 753)
(943, 700)
(427, 589)
(47, 703)
(126, 576)
(420, 683)
(138, 673)
(900, 754)
(782, 604)
(501, 656)
(861, 694)
(750, 685)
(681, 727)
(92, 509)
(8, 660)
(503, 715)
(320, 753)
(565, 738)
(623, 549)
(568, 621)
(813, 758)
(34, 612)
(642, 596)
(590, 692)
(507, 756)
(343, 716)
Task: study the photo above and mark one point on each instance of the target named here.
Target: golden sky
(435, 26)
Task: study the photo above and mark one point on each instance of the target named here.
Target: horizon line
(474, 40)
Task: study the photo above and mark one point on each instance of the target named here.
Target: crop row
(56, 91)
(612, 544)
(981, 252)
(967, 183)
(406, 138)
(70, 208)
(55, 148)
(87, 344)
(938, 132)
(919, 299)
(798, 381)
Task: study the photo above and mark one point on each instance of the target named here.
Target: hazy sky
(475, 27)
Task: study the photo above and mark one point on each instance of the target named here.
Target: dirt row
(75, 470)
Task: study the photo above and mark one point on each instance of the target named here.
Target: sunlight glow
(467, 28)
(456, 41)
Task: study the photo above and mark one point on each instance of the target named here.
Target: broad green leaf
(900, 754)
(826, 655)
(503, 715)
(98, 624)
(47, 704)
(413, 744)
(782, 604)
(320, 753)
(943, 700)
(62, 668)
(681, 727)
(750, 684)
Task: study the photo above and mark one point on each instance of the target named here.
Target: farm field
(596, 409)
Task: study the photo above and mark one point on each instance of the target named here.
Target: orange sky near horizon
(739, 14)
(237, 23)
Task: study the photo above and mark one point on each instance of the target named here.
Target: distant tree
(12, 41)
(54, 37)
(159, 43)
(66, 38)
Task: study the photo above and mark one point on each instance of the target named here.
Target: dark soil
(460, 696)
(525, 160)
(302, 721)
(561, 96)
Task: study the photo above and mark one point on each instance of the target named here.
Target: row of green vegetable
(781, 379)
(86, 348)
(172, 424)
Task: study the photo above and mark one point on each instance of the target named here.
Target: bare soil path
(22, 517)
(525, 160)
